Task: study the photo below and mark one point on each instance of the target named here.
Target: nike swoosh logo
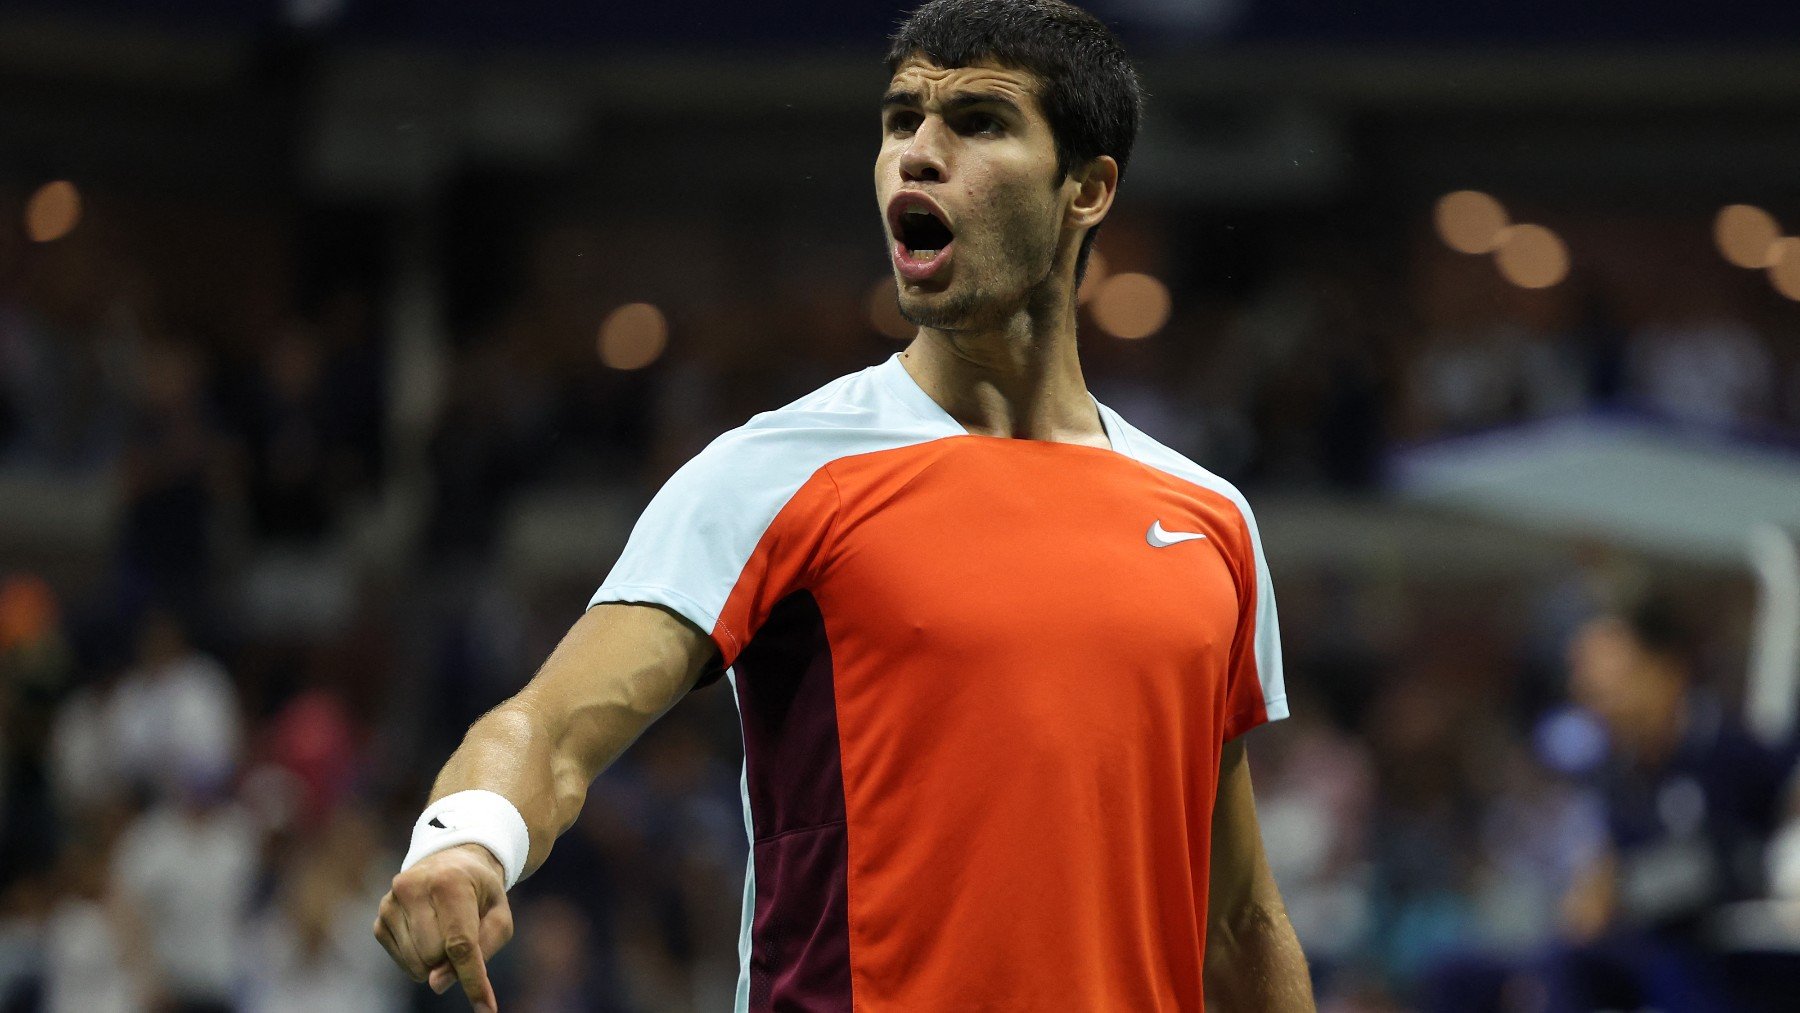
(1162, 539)
(435, 822)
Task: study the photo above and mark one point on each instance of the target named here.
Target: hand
(444, 917)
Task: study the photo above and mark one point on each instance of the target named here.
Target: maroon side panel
(799, 934)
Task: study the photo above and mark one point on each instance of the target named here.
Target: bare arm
(619, 668)
(1253, 959)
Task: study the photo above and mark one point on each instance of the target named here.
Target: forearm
(510, 751)
(1253, 959)
(619, 669)
(1254, 962)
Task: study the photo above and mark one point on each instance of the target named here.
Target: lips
(923, 238)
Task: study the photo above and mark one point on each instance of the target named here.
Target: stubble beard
(951, 311)
(982, 302)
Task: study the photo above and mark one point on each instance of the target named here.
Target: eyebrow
(957, 103)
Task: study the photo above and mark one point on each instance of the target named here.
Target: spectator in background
(187, 869)
(1711, 371)
(68, 334)
(35, 667)
(1689, 803)
(293, 478)
(558, 972)
(1317, 790)
(175, 464)
(173, 720)
(1493, 373)
(96, 950)
(308, 953)
(481, 454)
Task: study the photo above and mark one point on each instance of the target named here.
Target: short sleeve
(727, 536)
(1255, 690)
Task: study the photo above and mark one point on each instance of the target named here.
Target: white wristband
(473, 817)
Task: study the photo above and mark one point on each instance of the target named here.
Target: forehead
(934, 84)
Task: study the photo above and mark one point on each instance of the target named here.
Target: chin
(937, 310)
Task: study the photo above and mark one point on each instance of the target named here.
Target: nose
(923, 160)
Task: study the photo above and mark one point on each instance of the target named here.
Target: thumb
(441, 978)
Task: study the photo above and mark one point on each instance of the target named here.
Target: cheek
(883, 160)
(1022, 212)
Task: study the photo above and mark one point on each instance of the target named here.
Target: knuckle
(459, 948)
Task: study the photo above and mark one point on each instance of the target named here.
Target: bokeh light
(1091, 282)
(1131, 305)
(1532, 256)
(884, 310)
(1470, 221)
(1746, 235)
(1784, 267)
(633, 336)
(53, 211)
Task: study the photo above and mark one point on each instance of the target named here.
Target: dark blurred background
(341, 342)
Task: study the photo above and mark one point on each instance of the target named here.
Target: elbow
(1254, 961)
(1246, 925)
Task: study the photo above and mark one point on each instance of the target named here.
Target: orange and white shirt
(984, 684)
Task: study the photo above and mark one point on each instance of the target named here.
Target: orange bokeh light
(1470, 221)
(53, 211)
(1784, 267)
(1746, 235)
(1131, 306)
(633, 336)
(1532, 256)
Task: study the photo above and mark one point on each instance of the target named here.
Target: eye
(902, 121)
(982, 123)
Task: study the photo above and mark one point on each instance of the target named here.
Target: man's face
(967, 183)
(1613, 676)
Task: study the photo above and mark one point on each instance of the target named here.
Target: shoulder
(853, 414)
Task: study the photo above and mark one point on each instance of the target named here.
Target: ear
(1095, 184)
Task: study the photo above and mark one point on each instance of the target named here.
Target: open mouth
(922, 234)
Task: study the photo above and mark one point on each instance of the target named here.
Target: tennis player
(994, 649)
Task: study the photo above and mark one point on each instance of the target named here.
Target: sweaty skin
(996, 341)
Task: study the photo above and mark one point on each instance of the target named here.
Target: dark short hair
(1660, 627)
(1090, 91)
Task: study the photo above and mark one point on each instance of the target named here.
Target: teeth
(923, 254)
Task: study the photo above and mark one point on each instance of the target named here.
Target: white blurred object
(82, 771)
(289, 973)
(1774, 679)
(1784, 862)
(1672, 494)
(174, 722)
(190, 875)
(84, 962)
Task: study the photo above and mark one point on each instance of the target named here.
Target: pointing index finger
(461, 923)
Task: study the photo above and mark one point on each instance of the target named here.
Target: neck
(1659, 730)
(1020, 380)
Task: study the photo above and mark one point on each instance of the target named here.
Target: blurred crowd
(218, 718)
